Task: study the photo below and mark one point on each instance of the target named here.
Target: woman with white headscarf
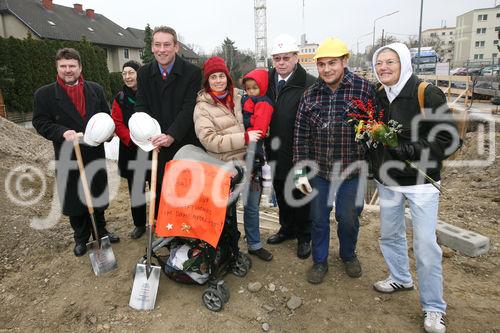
(423, 138)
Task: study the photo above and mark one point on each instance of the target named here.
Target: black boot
(80, 249)
(112, 237)
(137, 232)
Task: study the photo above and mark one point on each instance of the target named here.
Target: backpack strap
(421, 96)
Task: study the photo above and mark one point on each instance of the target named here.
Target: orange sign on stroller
(194, 198)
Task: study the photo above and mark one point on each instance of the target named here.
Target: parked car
(490, 70)
(454, 71)
(472, 71)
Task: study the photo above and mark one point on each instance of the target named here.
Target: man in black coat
(287, 82)
(61, 110)
(166, 90)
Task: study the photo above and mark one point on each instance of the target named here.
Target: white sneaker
(434, 322)
(389, 286)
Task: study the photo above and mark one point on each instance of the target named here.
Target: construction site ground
(45, 288)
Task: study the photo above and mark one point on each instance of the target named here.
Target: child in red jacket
(257, 113)
(257, 108)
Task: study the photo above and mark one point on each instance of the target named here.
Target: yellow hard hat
(331, 47)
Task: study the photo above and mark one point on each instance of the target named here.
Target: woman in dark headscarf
(122, 110)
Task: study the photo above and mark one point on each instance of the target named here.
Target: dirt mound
(26, 181)
(471, 183)
(23, 143)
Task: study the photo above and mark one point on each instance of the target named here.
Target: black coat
(403, 109)
(283, 120)
(124, 104)
(170, 101)
(54, 113)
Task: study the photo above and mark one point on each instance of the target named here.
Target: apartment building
(442, 40)
(306, 54)
(477, 33)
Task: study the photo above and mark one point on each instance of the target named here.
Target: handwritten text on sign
(193, 203)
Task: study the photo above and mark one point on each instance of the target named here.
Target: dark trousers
(82, 226)
(137, 200)
(294, 221)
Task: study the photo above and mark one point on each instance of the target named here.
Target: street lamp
(420, 36)
(378, 18)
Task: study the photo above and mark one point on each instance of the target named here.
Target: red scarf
(75, 94)
(223, 97)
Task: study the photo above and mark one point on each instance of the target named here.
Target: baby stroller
(197, 261)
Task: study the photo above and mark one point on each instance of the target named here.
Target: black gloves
(406, 151)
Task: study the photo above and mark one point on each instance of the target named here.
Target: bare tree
(238, 62)
(411, 42)
(381, 42)
(196, 48)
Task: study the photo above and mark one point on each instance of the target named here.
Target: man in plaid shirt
(325, 141)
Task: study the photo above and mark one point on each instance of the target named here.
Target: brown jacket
(220, 130)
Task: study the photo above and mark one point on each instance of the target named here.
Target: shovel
(101, 254)
(147, 276)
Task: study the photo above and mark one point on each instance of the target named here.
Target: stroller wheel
(242, 265)
(245, 259)
(224, 290)
(213, 299)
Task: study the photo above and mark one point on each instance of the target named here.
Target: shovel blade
(144, 290)
(101, 257)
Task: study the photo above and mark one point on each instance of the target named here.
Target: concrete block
(464, 241)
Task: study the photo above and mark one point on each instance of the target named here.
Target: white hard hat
(99, 128)
(283, 44)
(142, 127)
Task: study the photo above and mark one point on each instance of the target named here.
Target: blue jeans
(347, 213)
(251, 201)
(424, 211)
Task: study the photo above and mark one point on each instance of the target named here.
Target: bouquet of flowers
(370, 128)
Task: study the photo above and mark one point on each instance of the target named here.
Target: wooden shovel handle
(85, 184)
(152, 187)
(83, 177)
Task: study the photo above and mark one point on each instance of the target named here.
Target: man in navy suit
(61, 110)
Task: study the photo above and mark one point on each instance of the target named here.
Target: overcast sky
(207, 22)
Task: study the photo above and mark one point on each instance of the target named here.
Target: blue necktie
(281, 84)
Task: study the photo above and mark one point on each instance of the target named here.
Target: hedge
(32, 65)
(115, 82)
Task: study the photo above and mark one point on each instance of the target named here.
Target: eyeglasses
(389, 63)
(284, 58)
(125, 73)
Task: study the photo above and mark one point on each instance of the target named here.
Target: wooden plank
(455, 91)
(459, 96)
(452, 78)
